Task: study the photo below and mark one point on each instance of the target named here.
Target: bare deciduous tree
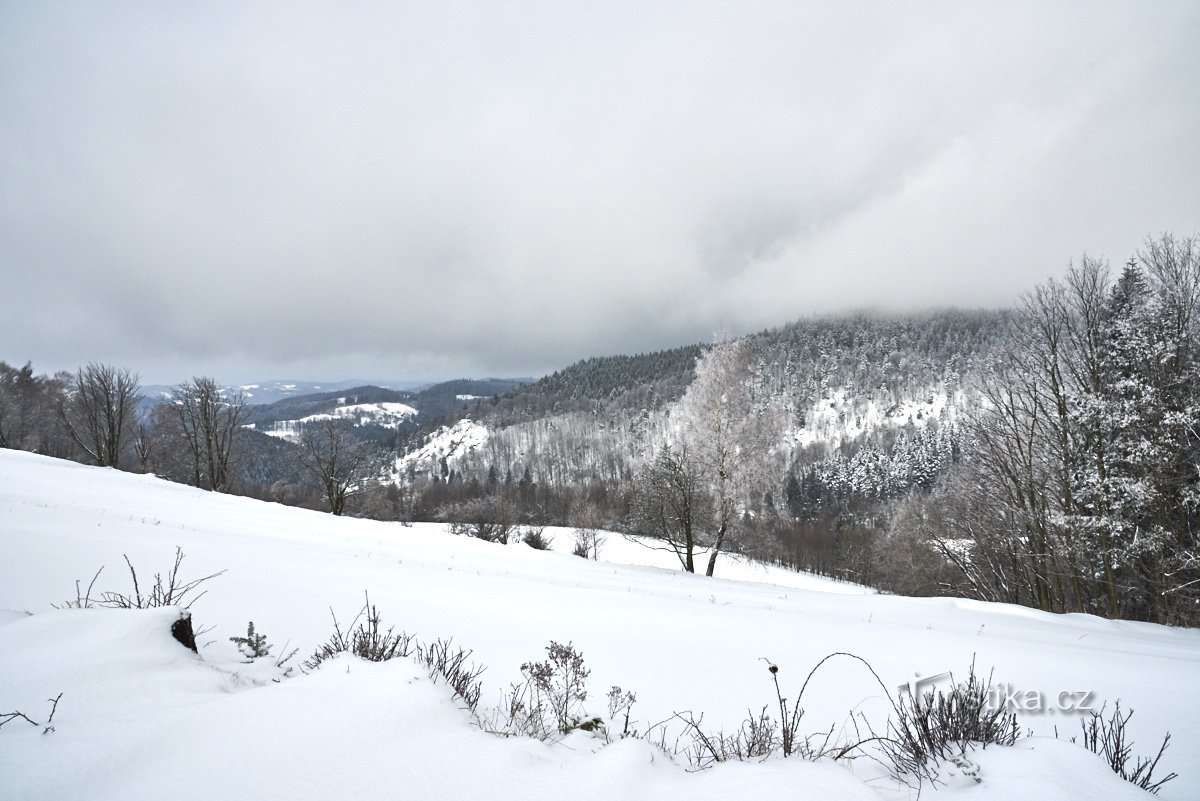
(209, 423)
(98, 409)
(339, 464)
(589, 538)
(669, 504)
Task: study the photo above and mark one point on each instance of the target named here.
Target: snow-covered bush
(535, 537)
(452, 666)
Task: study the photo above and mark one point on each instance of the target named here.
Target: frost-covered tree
(729, 427)
(1085, 452)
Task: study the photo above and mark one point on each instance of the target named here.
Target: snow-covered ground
(142, 717)
(386, 414)
(448, 442)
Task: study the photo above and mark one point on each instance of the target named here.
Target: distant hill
(874, 404)
(464, 394)
(268, 392)
(300, 406)
(600, 383)
(379, 414)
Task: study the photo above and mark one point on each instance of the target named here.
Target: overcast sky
(431, 190)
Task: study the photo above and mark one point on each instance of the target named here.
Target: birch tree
(726, 431)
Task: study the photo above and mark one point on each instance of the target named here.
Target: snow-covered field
(386, 414)
(142, 717)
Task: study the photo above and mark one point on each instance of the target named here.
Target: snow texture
(141, 717)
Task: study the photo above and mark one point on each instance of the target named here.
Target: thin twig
(10, 716)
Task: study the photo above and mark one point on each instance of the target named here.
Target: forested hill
(463, 394)
(866, 354)
(874, 354)
(870, 401)
(262, 415)
(919, 346)
(602, 383)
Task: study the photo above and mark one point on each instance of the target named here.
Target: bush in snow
(549, 702)
(365, 639)
(581, 548)
(1107, 737)
(588, 542)
(452, 666)
(167, 590)
(588, 520)
(560, 683)
(620, 704)
(491, 518)
(936, 727)
(760, 735)
(535, 537)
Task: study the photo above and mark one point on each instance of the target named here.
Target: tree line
(1063, 476)
(196, 436)
(1081, 492)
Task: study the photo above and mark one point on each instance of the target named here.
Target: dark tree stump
(181, 630)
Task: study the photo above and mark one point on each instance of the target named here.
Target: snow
(140, 715)
(839, 417)
(639, 551)
(449, 442)
(386, 414)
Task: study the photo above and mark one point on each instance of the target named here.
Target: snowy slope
(386, 414)
(839, 417)
(139, 714)
(581, 446)
(448, 442)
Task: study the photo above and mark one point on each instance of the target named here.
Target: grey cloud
(433, 190)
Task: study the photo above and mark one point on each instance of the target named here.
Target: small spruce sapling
(253, 645)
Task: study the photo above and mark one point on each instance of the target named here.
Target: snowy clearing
(386, 414)
(140, 715)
